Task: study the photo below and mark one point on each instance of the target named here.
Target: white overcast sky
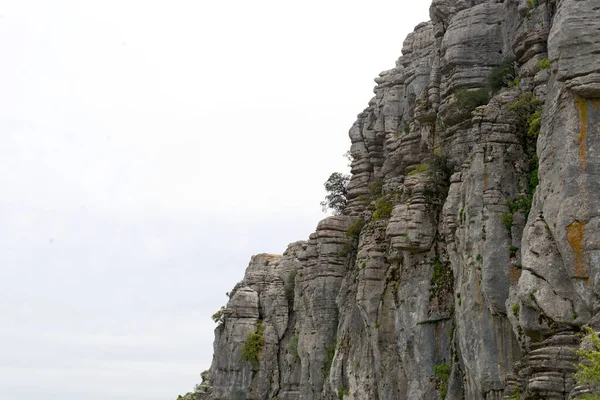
(148, 149)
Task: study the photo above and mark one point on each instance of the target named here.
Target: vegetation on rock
(330, 350)
(544, 64)
(353, 234)
(289, 285)
(201, 388)
(441, 277)
(466, 101)
(337, 192)
(418, 169)
(507, 218)
(383, 208)
(588, 371)
(440, 170)
(397, 281)
(342, 392)
(353, 231)
(187, 396)
(218, 316)
(515, 394)
(252, 346)
(293, 346)
(441, 373)
(531, 5)
(503, 75)
(515, 309)
(528, 112)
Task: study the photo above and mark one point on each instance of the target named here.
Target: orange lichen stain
(582, 105)
(575, 238)
(596, 105)
(514, 274)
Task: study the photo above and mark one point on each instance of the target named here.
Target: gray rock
(474, 286)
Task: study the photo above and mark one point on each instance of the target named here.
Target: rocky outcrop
(466, 260)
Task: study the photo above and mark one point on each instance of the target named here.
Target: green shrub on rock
(534, 123)
(507, 219)
(515, 394)
(503, 75)
(515, 309)
(252, 346)
(342, 392)
(330, 350)
(353, 234)
(527, 110)
(526, 107)
(465, 102)
(441, 373)
(544, 64)
(588, 371)
(418, 169)
(218, 316)
(440, 169)
(383, 208)
(471, 99)
(376, 188)
(353, 231)
(290, 284)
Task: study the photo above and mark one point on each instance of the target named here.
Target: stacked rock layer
(468, 256)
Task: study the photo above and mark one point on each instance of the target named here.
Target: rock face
(468, 256)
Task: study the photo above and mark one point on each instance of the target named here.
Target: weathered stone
(574, 46)
(478, 282)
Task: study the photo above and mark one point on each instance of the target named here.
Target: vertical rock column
(559, 289)
(318, 284)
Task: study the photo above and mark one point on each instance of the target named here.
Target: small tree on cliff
(337, 193)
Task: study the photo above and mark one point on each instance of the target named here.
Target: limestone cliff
(468, 256)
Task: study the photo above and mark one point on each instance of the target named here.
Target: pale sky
(149, 148)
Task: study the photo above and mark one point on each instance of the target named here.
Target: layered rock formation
(468, 256)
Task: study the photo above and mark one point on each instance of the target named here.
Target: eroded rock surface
(467, 259)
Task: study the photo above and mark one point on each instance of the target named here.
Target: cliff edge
(467, 258)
